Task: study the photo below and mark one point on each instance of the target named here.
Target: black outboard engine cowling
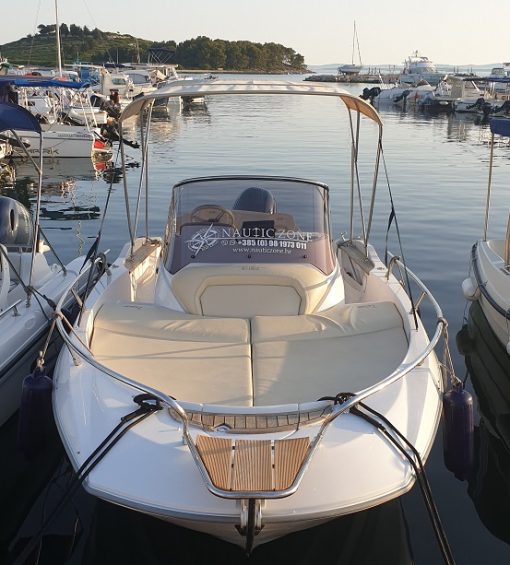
(256, 199)
(16, 227)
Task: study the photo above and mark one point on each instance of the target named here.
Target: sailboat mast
(57, 34)
(353, 39)
(357, 42)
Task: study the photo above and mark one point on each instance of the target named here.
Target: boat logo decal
(203, 239)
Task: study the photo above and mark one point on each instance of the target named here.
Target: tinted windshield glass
(256, 219)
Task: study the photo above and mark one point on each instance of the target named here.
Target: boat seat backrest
(246, 290)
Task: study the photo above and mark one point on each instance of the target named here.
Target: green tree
(75, 30)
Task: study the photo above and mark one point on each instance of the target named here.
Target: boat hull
(493, 279)
(25, 330)
(59, 141)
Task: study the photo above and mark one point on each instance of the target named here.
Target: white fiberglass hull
(24, 329)
(354, 467)
(432, 78)
(491, 273)
(59, 141)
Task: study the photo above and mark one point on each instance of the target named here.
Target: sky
(455, 32)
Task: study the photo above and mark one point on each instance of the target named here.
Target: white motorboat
(29, 285)
(60, 139)
(489, 280)
(403, 95)
(63, 141)
(253, 345)
(418, 68)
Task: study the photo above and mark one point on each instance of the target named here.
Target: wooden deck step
(252, 465)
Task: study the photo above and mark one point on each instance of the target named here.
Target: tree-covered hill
(96, 46)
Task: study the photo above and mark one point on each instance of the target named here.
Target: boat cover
(500, 126)
(41, 82)
(16, 117)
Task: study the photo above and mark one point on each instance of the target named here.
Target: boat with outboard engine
(489, 278)
(263, 362)
(29, 285)
(61, 139)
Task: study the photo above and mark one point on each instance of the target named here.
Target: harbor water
(436, 166)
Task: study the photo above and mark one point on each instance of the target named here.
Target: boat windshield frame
(248, 218)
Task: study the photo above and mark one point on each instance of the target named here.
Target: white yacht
(246, 360)
(418, 68)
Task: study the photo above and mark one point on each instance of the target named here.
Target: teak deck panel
(252, 465)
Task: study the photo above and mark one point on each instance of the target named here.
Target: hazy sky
(447, 31)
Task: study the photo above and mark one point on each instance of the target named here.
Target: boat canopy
(500, 126)
(36, 82)
(215, 87)
(13, 116)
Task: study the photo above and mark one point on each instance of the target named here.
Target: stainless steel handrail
(336, 412)
(12, 306)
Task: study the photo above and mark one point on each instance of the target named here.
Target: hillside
(96, 46)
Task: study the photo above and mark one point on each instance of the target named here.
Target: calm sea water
(437, 168)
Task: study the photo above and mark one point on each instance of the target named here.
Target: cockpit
(240, 219)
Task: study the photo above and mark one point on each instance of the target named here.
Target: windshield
(248, 219)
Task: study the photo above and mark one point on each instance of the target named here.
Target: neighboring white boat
(489, 280)
(417, 68)
(351, 68)
(63, 141)
(498, 75)
(60, 139)
(246, 337)
(403, 95)
(29, 285)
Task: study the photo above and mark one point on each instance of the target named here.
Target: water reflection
(489, 368)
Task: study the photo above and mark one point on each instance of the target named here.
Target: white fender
(470, 290)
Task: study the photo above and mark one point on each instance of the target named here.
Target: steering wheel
(211, 213)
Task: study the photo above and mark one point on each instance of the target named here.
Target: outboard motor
(256, 199)
(16, 226)
(370, 93)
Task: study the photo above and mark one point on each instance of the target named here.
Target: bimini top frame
(195, 88)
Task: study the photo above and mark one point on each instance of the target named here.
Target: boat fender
(458, 431)
(35, 419)
(16, 227)
(470, 290)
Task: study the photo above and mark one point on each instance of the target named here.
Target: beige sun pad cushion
(345, 349)
(188, 357)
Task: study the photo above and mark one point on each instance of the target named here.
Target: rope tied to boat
(147, 405)
(446, 364)
(404, 446)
